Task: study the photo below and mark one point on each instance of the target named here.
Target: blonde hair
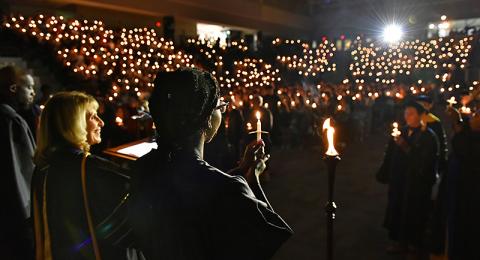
(63, 123)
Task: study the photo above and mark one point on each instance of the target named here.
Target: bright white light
(211, 32)
(392, 33)
(431, 26)
(443, 17)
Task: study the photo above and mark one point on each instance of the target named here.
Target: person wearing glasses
(16, 149)
(184, 208)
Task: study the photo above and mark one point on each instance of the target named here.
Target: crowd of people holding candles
(275, 95)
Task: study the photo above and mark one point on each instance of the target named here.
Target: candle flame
(330, 132)
(452, 101)
(257, 115)
(119, 121)
(395, 133)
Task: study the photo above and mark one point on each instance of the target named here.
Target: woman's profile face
(94, 127)
(216, 120)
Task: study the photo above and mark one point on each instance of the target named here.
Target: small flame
(395, 133)
(257, 115)
(452, 101)
(330, 132)
(465, 110)
(119, 121)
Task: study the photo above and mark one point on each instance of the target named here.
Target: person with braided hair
(182, 207)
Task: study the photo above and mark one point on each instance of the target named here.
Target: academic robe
(182, 209)
(412, 173)
(435, 124)
(17, 147)
(464, 230)
(439, 216)
(57, 191)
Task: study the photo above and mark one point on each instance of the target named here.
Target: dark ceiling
(334, 16)
(320, 7)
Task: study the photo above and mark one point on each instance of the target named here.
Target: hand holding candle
(395, 132)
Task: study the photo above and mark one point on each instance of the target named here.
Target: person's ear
(207, 131)
(209, 122)
(13, 88)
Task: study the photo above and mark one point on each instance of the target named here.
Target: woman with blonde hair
(78, 200)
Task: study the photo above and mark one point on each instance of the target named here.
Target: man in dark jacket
(17, 148)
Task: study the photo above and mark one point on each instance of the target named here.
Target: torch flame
(257, 115)
(330, 131)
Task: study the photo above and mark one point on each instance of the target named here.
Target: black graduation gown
(185, 209)
(435, 124)
(412, 175)
(17, 146)
(66, 216)
(439, 218)
(465, 228)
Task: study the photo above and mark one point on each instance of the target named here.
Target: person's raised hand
(254, 160)
(400, 141)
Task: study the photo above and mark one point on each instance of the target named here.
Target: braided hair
(181, 104)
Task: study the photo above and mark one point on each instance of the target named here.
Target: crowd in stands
(118, 67)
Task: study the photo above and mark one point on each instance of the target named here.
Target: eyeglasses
(222, 107)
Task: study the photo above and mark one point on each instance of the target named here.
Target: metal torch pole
(330, 208)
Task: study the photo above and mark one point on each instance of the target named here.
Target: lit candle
(451, 101)
(259, 126)
(395, 133)
(330, 132)
(465, 110)
(119, 121)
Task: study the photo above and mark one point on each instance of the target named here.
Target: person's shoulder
(430, 134)
(9, 114)
(222, 179)
(104, 165)
(7, 110)
(147, 161)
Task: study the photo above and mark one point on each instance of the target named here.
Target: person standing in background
(439, 215)
(409, 168)
(463, 193)
(17, 149)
